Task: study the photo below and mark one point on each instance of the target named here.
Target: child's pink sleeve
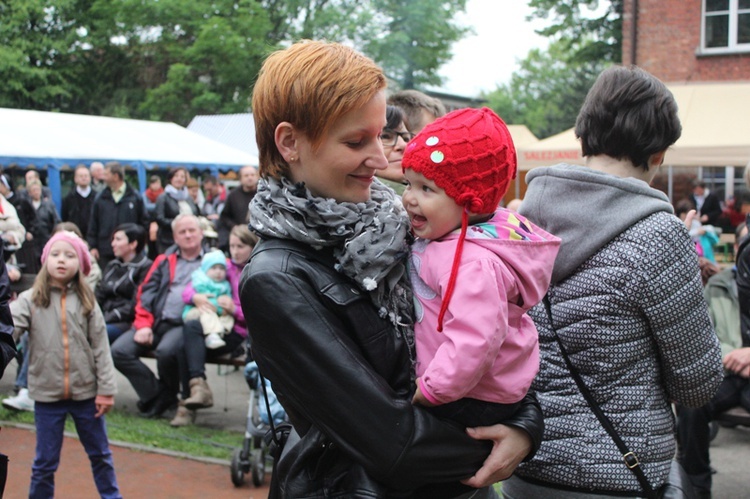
(188, 293)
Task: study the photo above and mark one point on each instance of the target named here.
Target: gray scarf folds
(369, 240)
(178, 195)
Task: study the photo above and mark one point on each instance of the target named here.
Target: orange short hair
(310, 85)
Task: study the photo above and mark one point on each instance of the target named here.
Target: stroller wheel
(258, 462)
(235, 470)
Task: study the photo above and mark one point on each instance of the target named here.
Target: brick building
(693, 42)
(688, 40)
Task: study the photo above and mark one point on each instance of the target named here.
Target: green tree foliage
(548, 90)
(182, 58)
(416, 39)
(36, 40)
(173, 59)
(586, 37)
(546, 93)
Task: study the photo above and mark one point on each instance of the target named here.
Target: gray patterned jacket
(627, 303)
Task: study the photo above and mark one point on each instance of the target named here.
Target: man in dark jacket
(158, 321)
(76, 207)
(706, 203)
(236, 208)
(117, 204)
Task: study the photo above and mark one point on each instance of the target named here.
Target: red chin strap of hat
(454, 269)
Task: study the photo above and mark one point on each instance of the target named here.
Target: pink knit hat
(469, 153)
(82, 250)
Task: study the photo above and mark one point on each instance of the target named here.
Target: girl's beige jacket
(69, 354)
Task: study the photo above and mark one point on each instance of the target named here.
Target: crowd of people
(424, 340)
(130, 236)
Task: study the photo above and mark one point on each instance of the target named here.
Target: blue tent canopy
(52, 141)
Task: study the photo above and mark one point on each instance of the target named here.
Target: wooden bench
(236, 361)
(734, 417)
(724, 249)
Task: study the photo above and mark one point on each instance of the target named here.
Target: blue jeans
(22, 377)
(49, 418)
(114, 331)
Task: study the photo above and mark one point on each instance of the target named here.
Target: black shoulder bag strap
(631, 460)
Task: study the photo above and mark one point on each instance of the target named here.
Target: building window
(726, 26)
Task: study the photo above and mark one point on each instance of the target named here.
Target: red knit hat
(469, 153)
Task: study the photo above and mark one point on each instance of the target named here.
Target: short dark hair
(133, 232)
(115, 168)
(628, 114)
(393, 117)
(210, 178)
(173, 171)
(683, 206)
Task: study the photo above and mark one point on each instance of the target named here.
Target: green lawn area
(155, 433)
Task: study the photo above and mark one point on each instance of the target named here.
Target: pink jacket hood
(527, 251)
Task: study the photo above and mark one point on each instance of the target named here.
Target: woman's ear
(286, 141)
(656, 159)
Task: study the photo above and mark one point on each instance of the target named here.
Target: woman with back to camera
(327, 298)
(626, 301)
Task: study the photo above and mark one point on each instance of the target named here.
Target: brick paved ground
(140, 474)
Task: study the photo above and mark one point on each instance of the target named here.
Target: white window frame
(732, 46)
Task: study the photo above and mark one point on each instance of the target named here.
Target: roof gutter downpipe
(634, 34)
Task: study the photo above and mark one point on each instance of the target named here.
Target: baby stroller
(254, 455)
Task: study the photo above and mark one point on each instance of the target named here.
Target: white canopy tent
(54, 140)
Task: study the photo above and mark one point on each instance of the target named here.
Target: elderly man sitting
(158, 321)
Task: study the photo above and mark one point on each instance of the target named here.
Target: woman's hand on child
(144, 336)
(227, 304)
(104, 404)
(509, 447)
(200, 300)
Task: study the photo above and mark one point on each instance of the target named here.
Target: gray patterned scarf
(369, 240)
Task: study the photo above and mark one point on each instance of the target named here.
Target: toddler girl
(70, 367)
(476, 270)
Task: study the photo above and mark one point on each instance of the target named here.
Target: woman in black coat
(118, 287)
(172, 202)
(328, 303)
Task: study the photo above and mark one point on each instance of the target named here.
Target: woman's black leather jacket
(343, 376)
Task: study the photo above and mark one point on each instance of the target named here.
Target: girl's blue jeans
(49, 418)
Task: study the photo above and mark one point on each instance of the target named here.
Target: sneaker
(214, 341)
(20, 402)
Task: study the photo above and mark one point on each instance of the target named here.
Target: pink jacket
(488, 349)
(234, 272)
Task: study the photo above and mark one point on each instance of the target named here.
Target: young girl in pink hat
(476, 270)
(70, 366)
